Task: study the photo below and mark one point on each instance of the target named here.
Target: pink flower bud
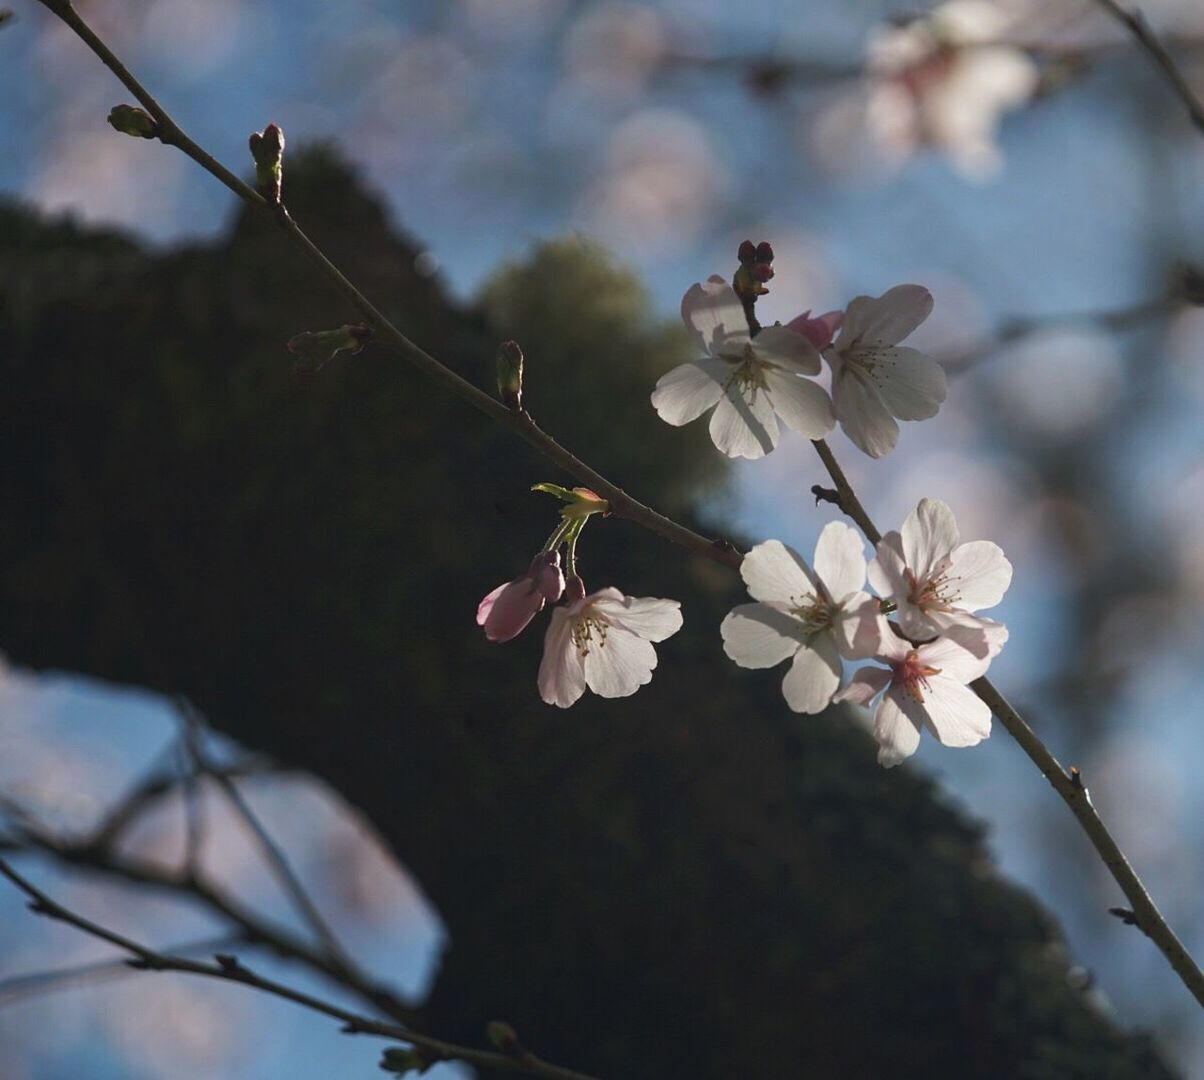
(574, 590)
(747, 252)
(505, 612)
(820, 330)
(546, 573)
(762, 271)
(764, 252)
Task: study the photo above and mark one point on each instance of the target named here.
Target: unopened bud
(504, 1037)
(761, 271)
(764, 252)
(131, 120)
(401, 1061)
(510, 375)
(574, 589)
(317, 348)
(747, 252)
(267, 150)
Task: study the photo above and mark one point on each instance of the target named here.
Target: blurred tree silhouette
(692, 883)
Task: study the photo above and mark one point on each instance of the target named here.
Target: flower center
(814, 613)
(912, 676)
(747, 373)
(937, 592)
(583, 632)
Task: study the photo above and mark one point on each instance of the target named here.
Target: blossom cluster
(752, 381)
(820, 615)
(911, 609)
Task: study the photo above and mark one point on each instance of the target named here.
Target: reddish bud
(764, 252)
(762, 271)
(747, 252)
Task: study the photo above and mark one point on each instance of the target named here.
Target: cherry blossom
(603, 641)
(925, 686)
(505, 612)
(749, 382)
(809, 615)
(946, 79)
(938, 583)
(819, 330)
(874, 379)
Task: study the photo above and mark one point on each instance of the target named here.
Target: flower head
(874, 379)
(925, 686)
(505, 612)
(938, 583)
(809, 615)
(749, 382)
(603, 641)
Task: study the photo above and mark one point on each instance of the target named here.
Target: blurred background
(1024, 161)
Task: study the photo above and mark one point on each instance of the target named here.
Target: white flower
(925, 687)
(811, 616)
(746, 380)
(874, 379)
(603, 641)
(946, 79)
(937, 583)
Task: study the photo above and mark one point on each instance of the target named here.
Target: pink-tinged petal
(954, 661)
(618, 664)
(862, 415)
(886, 569)
(979, 574)
(896, 733)
(866, 684)
(715, 317)
(760, 635)
(819, 330)
(649, 617)
(929, 534)
(687, 391)
(741, 428)
(561, 671)
(777, 573)
(956, 715)
(802, 404)
(785, 349)
(859, 627)
(840, 560)
(910, 384)
(813, 677)
(508, 609)
(884, 320)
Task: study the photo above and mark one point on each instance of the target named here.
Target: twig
(1148, 40)
(272, 851)
(230, 969)
(623, 505)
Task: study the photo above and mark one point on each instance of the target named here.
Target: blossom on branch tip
(938, 583)
(748, 381)
(505, 612)
(812, 616)
(874, 379)
(921, 686)
(603, 641)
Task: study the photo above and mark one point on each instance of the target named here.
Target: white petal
(619, 664)
(687, 391)
(786, 349)
(775, 572)
(896, 733)
(715, 317)
(802, 404)
(953, 659)
(983, 638)
(813, 677)
(859, 626)
(929, 534)
(911, 384)
(866, 683)
(862, 415)
(979, 573)
(561, 673)
(840, 560)
(885, 571)
(884, 320)
(956, 715)
(651, 618)
(743, 429)
(760, 635)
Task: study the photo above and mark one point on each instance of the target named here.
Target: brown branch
(228, 969)
(1148, 40)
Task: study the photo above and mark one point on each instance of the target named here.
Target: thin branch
(229, 969)
(1148, 40)
(623, 505)
(272, 851)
